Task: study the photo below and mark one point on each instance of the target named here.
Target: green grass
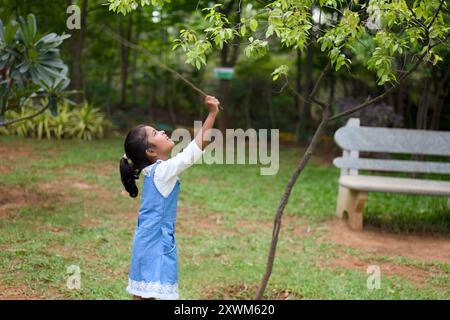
(93, 228)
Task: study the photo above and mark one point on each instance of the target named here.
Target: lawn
(62, 204)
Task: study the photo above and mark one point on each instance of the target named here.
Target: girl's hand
(212, 104)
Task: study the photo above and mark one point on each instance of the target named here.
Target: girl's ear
(151, 153)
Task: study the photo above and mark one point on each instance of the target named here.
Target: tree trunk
(135, 59)
(124, 57)
(422, 112)
(331, 87)
(284, 200)
(76, 44)
(149, 100)
(297, 102)
(273, 122)
(440, 94)
(171, 90)
(228, 58)
(305, 116)
(247, 108)
(224, 90)
(108, 98)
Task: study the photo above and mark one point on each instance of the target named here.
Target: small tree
(32, 74)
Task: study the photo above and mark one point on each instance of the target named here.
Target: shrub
(83, 122)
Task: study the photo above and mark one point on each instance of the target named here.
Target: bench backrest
(353, 139)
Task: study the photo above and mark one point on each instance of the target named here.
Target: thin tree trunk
(224, 91)
(149, 100)
(108, 98)
(76, 44)
(124, 57)
(331, 87)
(170, 99)
(135, 58)
(270, 105)
(284, 200)
(228, 58)
(440, 94)
(247, 108)
(297, 103)
(421, 119)
(305, 116)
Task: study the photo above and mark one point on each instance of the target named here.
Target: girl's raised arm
(212, 104)
(174, 166)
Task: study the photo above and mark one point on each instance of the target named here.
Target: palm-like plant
(30, 68)
(87, 123)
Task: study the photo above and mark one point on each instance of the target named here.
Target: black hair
(136, 143)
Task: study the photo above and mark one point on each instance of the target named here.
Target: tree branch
(149, 55)
(5, 98)
(381, 96)
(7, 123)
(435, 14)
(319, 80)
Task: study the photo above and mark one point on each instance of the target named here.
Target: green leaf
(32, 25)
(253, 25)
(243, 30)
(269, 31)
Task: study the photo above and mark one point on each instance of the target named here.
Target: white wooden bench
(353, 187)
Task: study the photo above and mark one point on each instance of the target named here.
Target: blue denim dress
(154, 259)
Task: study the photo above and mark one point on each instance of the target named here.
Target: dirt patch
(190, 222)
(417, 247)
(22, 292)
(61, 185)
(10, 153)
(43, 195)
(415, 275)
(103, 168)
(17, 293)
(243, 291)
(12, 199)
(292, 227)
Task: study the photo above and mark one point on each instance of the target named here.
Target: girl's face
(162, 143)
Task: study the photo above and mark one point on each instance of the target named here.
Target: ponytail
(129, 175)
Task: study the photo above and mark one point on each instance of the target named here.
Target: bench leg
(352, 202)
(342, 200)
(355, 207)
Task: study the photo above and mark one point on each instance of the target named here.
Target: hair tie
(130, 163)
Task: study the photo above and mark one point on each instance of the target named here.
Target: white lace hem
(153, 290)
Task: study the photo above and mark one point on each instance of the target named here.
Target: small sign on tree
(223, 73)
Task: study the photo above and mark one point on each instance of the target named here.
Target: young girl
(154, 260)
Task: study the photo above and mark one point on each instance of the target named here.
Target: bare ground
(418, 247)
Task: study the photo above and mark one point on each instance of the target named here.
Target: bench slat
(397, 185)
(392, 165)
(394, 140)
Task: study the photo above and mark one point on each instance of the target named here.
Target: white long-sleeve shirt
(166, 173)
